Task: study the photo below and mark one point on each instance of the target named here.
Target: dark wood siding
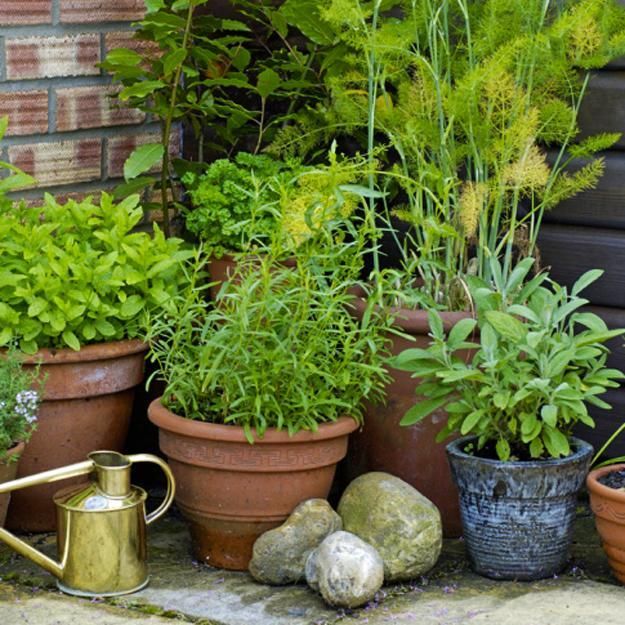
(588, 232)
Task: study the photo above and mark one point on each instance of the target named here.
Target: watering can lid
(89, 498)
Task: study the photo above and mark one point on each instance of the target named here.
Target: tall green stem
(167, 124)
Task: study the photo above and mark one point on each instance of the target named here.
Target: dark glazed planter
(8, 472)
(410, 453)
(87, 403)
(231, 492)
(608, 504)
(518, 517)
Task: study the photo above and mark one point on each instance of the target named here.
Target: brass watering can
(101, 540)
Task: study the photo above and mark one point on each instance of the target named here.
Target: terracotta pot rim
(410, 320)
(96, 351)
(597, 488)
(167, 420)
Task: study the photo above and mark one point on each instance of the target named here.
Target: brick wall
(65, 126)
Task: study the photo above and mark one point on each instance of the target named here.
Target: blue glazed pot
(518, 517)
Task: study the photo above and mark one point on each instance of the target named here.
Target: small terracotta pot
(608, 504)
(230, 492)
(222, 269)
(410, 453)
(8, 472)
(87, 403)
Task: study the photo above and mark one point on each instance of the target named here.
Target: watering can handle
(171, 484)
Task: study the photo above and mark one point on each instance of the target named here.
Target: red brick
(119, 148)
(59, 163)
(27, 111)
(92, 107)
(125, 39)
(48, 57)
(92, 11)
(21, 12)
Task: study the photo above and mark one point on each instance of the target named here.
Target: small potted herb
(261, 394)
(515, 402)
(76, 284)
(19, 404)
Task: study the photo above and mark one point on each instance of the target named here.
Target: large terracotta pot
(608, 504)
(8, 472)
(410, 453)
(87, 403)
(230, 492)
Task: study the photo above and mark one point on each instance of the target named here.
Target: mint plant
(539, 362)
(78, 273)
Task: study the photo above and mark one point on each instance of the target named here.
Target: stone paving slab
(183, 591)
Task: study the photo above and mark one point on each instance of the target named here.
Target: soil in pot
(231, 492)
(410, 453)
(8, 472)
(607, 500)
(518, 516)
(87, 404)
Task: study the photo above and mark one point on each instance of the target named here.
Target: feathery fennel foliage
(466, 98)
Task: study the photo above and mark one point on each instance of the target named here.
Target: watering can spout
(23, 548)
(101, 525)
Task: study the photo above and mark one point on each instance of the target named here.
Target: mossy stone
(280, 554)
(397, 520)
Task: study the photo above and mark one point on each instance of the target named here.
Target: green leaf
(536, 448)
(586, 280)
(4, 124)
(436, 324)
(471, 421)
(421, 410)
(143, 159)
(305, 15)
(133, 186)
(503, 449)
(172, 60)
(268, 82)
(132, 307)
(461, 331)
(556, 442)
(71, 340)
(506, 325)
(549, 414)
(140, 89)
(104, 327)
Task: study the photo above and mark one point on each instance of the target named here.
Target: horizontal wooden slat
(603, 108)
(603, 206)
(571, 250)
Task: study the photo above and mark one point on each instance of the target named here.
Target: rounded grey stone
(279, 555)
(395, 518)
(345, 570)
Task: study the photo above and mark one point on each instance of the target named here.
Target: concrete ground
(183, 591)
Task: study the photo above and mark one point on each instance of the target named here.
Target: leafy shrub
(538, 363)
(76, 273)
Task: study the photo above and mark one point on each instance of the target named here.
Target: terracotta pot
(87, 403)
(222, 269)
(608, 504)
(230, 492)
(410, 453)
(8, 472)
